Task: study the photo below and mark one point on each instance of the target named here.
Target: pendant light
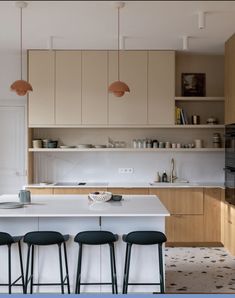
(118, 88)
(21, 87)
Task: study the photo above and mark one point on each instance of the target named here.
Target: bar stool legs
(143, 238)
(30, 263)
(79, 268)
(127, 268)
(113, 271)
(161, 273)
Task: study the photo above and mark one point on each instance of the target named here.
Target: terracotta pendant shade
(118, 88)
(21, 87)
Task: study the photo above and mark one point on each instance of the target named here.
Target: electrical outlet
(125, 170)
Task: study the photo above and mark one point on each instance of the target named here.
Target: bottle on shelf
(164, 177)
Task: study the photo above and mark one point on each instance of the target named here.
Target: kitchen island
(70, 214)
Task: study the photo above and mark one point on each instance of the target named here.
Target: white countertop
(80, 206)
(135, 185)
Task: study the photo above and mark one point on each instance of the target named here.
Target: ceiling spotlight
(201, 19)
(185, 42)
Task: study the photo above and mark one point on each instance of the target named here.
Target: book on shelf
(180, 116)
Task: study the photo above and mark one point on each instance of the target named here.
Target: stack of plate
(83, 146)
(67, 147)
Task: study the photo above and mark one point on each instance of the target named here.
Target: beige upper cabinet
(131, 109)
(229, 81)
(161, 87)
(41, 77)
(94, 87)
(68, 90)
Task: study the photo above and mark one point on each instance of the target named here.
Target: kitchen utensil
(198, 143)
(195, 119)
(212, 120)
(67, 147)
(100, 146)
(45, 143)
(168, 144)
(116, 198)
(52, 144)
(37, 143)
(82, 146)
(11, 205)
(24, 196)
(102, 196)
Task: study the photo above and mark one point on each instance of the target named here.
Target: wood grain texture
(40, 191)
(181, 201)
(129, 191)
(212, 215)
(76, 191)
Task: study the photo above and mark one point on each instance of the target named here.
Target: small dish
(100, 146)
(11, 205)
(84, 146)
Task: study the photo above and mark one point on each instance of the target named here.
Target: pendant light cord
(118, 42)
(21, 49)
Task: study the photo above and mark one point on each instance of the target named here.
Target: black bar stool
(7, 239)
(143, 238)
(46, 238)
(96, 238)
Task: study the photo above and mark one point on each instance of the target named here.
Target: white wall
(103, 167)
(13, 125)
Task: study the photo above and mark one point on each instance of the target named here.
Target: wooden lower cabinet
(76, 191)
(40, 191)
(184, 229)
(129, 191)
(195, 215)
(212, 218)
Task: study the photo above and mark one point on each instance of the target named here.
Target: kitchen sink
(186, 183)
(82, 183)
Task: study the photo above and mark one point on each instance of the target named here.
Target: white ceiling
(92, 25)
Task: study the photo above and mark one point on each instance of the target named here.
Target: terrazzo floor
(199, 270)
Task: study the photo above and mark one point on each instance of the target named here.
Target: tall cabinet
(229, 80)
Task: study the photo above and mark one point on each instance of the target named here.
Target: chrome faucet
(172, 174)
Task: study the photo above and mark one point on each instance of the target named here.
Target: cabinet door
(68, 87)
(94, 87)
(185, 228)
(161, 87)
(131, 109)
(76, 191)
(129, 191)
(40, 191)
(212, 215)
(229, 81)
(181, 201)
(41, 76)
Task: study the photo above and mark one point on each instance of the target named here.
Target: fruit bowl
(100, 196)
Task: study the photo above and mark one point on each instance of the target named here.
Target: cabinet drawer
(76, 191)
(184, 228)
(129, 191)
(181, 201)
(231, 214)
(41, 191)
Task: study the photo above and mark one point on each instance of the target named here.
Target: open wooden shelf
(126, 150)
(189, 98)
